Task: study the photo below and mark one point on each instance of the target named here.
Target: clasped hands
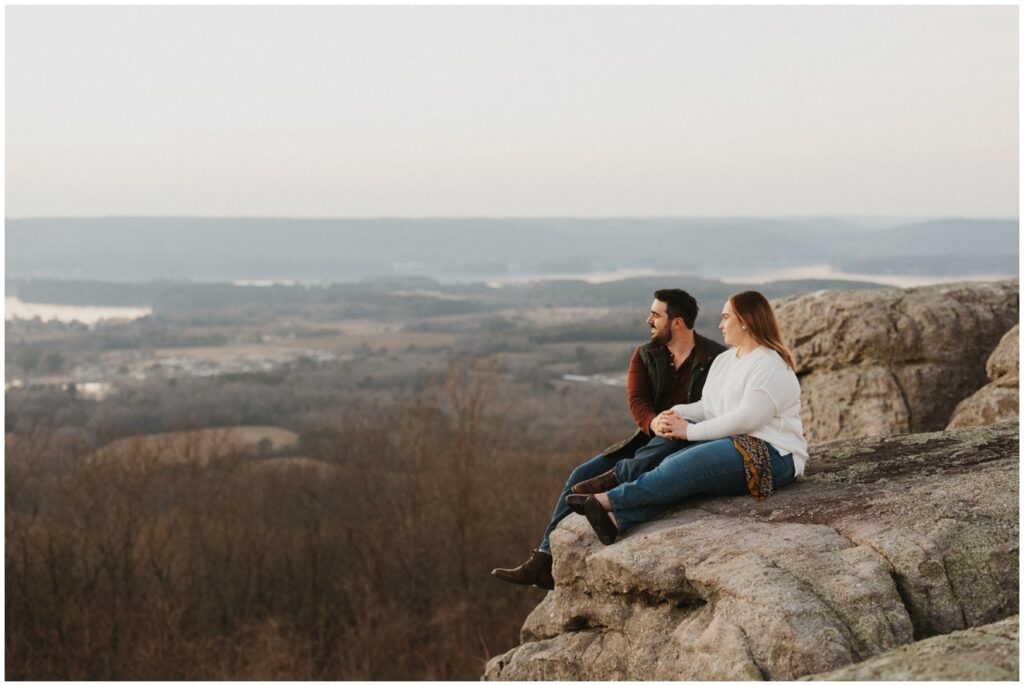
(669, 425)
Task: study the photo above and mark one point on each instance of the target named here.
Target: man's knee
(629, 470)
(577, 475)
(587, 470)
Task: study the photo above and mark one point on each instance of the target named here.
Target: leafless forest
(361, 552)
(431, 441)
(370, 564)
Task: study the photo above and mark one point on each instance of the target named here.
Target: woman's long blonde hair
(756, 313)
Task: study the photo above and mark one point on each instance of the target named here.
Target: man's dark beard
(663, 338)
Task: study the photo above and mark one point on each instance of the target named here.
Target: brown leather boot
(576, 502)
(599, 484)
(534, 572)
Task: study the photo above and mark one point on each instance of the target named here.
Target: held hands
(669, 425)
(658, 424)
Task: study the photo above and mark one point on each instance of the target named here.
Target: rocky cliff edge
(883, 543)
(1000, 399)
(877, 363)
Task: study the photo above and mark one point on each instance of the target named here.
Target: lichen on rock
(882, 543)
(893, 361)
(986, 653)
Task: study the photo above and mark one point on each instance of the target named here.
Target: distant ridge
(460, 249)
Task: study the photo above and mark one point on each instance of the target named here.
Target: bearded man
(668, 370)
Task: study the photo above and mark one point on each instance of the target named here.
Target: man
(669, 370)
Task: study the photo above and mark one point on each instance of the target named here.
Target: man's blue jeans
(701, 468)
(626, 469)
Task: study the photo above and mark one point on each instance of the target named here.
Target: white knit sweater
(757, 395)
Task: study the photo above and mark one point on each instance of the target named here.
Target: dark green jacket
(655, 359)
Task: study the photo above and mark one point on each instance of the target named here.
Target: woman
(745, 432)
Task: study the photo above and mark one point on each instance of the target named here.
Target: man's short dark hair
(680, 304)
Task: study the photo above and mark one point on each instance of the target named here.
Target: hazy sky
(505, 111)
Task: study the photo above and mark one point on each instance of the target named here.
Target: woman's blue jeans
(701, 468)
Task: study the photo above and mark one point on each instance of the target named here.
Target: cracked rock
(999, 400)
(882, 543)
(875, 363)
(987, 653)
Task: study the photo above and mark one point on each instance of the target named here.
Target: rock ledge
(884, 542)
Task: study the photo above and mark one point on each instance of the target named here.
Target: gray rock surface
(999, 400)
(987, 653)
(882, 543)
(893, 361)
(1003, 364)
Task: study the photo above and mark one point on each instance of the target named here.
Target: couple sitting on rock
(713, 421)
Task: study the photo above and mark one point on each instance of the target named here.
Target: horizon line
(382, 217)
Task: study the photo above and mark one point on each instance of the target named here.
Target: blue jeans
(626, 469)
(701, 468)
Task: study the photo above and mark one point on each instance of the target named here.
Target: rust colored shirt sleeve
(640, 394)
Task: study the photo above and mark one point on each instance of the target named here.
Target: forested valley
(243, 486)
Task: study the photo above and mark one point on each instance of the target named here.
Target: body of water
(825, 271)
(86, 314)
(815, 271)
(16, 309)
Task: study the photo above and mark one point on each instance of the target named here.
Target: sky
(512, 111)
